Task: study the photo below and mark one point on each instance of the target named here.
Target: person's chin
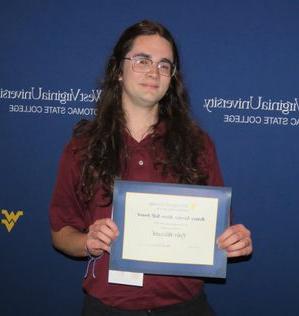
(149, 102)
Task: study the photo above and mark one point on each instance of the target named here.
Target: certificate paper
(169, 228)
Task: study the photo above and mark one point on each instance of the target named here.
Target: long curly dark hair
(182, 141)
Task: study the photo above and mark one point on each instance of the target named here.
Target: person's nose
(154, 70)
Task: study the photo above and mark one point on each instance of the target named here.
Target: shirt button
(140, 162)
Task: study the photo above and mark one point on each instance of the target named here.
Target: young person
(142, 131)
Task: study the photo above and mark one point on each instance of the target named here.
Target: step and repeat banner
(240, 64)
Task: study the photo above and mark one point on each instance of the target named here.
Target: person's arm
(70, 241)
(236, 239)
(74, 243)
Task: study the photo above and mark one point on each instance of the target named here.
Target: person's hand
(236, 241)
(100, 236)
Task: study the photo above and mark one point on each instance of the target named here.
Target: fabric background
(240, 54)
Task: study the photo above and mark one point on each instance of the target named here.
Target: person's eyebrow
(166, 60)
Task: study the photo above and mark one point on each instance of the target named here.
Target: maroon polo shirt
(67, 209)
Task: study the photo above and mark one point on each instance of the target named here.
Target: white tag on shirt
(126, 278)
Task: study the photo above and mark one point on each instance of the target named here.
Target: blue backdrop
(240, 63)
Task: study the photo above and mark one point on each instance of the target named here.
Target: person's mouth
(150, 86)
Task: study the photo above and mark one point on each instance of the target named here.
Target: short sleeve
(66, 208)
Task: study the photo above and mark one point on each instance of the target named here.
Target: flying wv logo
(10, 219)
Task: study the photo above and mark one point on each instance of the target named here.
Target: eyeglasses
(144, 64)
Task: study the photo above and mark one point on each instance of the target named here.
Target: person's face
(145, 89)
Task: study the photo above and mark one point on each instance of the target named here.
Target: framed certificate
(169, 228)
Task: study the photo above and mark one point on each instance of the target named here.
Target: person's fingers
(236, 241)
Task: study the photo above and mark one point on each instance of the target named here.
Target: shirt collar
(158, 132)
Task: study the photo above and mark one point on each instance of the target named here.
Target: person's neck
(139, 121)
